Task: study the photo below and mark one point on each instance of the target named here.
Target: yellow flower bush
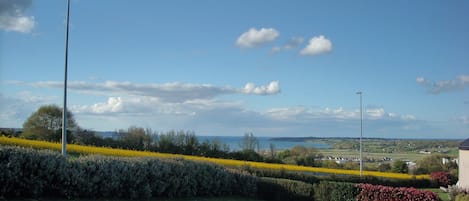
(226, 162)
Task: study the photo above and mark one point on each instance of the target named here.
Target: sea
(235, 142)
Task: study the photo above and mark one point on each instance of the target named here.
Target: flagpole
(64, 113)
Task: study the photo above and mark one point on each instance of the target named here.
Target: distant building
(464, 164)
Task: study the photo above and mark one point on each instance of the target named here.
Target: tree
(249, 142)
(433, 163)
(46, 124)
(400, 166)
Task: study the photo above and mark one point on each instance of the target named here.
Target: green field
(409, 156)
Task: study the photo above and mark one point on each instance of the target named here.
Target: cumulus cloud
(437, 87)
(317, 45)
(13, 18)
(272, 88)
(255, 38)
(169, 92)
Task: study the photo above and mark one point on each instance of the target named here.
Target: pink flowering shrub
(442, 178)
(370, 192)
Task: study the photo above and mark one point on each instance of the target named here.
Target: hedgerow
(370, 192)
(36, 173)
(335, 191)
(283, 189)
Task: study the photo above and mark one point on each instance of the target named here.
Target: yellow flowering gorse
(227, 162)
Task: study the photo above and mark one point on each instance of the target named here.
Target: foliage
(283, 189)
(300, 155)
(433, 163)
(33, 173)
(46, 124)
(335, 191)
(400, 166)
(370, 192)
(442, 178)
(250, 142)
(226, 162)
(9, 132)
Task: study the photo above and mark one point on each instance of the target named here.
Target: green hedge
(33, 173)
(283, 189)
(335, 191)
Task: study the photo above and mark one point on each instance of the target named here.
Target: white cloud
(317, 45)
(255, 38)
(217, 117)
(13, 18)
(169, 92)
(437, 87)
(272, 88)
(375, 112)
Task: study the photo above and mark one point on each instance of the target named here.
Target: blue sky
(274, 68)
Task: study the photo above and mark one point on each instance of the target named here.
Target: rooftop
(464, 145)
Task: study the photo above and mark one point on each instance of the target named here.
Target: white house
(464, 164)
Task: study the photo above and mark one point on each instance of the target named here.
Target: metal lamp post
(64, 113)
(361, 134)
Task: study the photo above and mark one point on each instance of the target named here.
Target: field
(411, 156)
(376, 149)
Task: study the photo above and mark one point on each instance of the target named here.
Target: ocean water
(235, 142)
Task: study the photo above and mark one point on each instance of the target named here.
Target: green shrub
(283, 189)
(34, 173)
(335, 191)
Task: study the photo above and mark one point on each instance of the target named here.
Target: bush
(35, 173)
(335, 191)
(370, 192)
(283, 189)
(442, 178)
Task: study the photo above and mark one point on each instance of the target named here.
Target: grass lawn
(444, 196)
